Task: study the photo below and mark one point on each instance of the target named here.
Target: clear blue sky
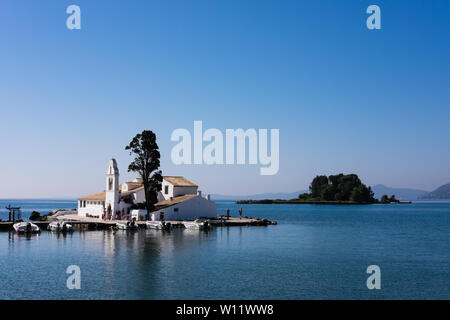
(346, 99)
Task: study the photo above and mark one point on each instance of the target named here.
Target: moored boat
(60, 226)
(159, 225)
(130, 225)
(26, 227)
(197, 224)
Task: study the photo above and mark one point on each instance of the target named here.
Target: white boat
(159, 225)
(60, 226)
(26, 227)
(196, 224)
(130, 225)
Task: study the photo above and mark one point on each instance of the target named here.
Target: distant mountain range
(260, 196)
(400, 193)
(441, 193)
(379, 190)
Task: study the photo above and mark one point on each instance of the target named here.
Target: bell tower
(112, 188)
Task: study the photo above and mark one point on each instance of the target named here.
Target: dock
(82, 223)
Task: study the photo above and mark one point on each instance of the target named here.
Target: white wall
(123, 206)
(92, 208)
(188, 210)
(181, 191)
(136, 213)
(176, 191)
(161, 196)
(163, 189)
(139, 196)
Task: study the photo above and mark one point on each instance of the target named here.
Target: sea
(314, 252)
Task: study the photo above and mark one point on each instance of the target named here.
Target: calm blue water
(28, 206)
(314, 252)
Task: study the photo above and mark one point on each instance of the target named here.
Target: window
(166, 189)
(175, 209)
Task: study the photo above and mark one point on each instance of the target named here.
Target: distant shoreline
(279, 201)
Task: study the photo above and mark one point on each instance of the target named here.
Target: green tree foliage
(304, 196)
(384, 199)
(317, 185)
(361, 193)
(146, 163)
(339, 188)
(393, 199)
(328, 192)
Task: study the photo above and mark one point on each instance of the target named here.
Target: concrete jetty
(83, 223)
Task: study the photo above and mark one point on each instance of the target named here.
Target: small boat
(159, 225)
(26, 227)
(197, 224)
(130, 225)
(60, 226)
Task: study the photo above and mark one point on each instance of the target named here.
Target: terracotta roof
(175, 200)
(179, 181)
(131, 185)
(102, 195)
(95, 196)
(127, 193)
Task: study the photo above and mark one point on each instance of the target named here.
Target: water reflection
(135, 264)
(60, 235)
(314, 252)
(14, 236)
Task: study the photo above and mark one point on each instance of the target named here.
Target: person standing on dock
(228, 214)
(240, 213)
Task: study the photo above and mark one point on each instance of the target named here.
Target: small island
(333, 189)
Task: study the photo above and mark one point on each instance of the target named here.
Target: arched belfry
(112, 188)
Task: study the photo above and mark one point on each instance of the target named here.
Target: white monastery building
(179, 199)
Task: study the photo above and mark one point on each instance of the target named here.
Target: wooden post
(12, 212)
(9, 210)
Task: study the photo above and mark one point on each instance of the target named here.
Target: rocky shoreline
(51, 216)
